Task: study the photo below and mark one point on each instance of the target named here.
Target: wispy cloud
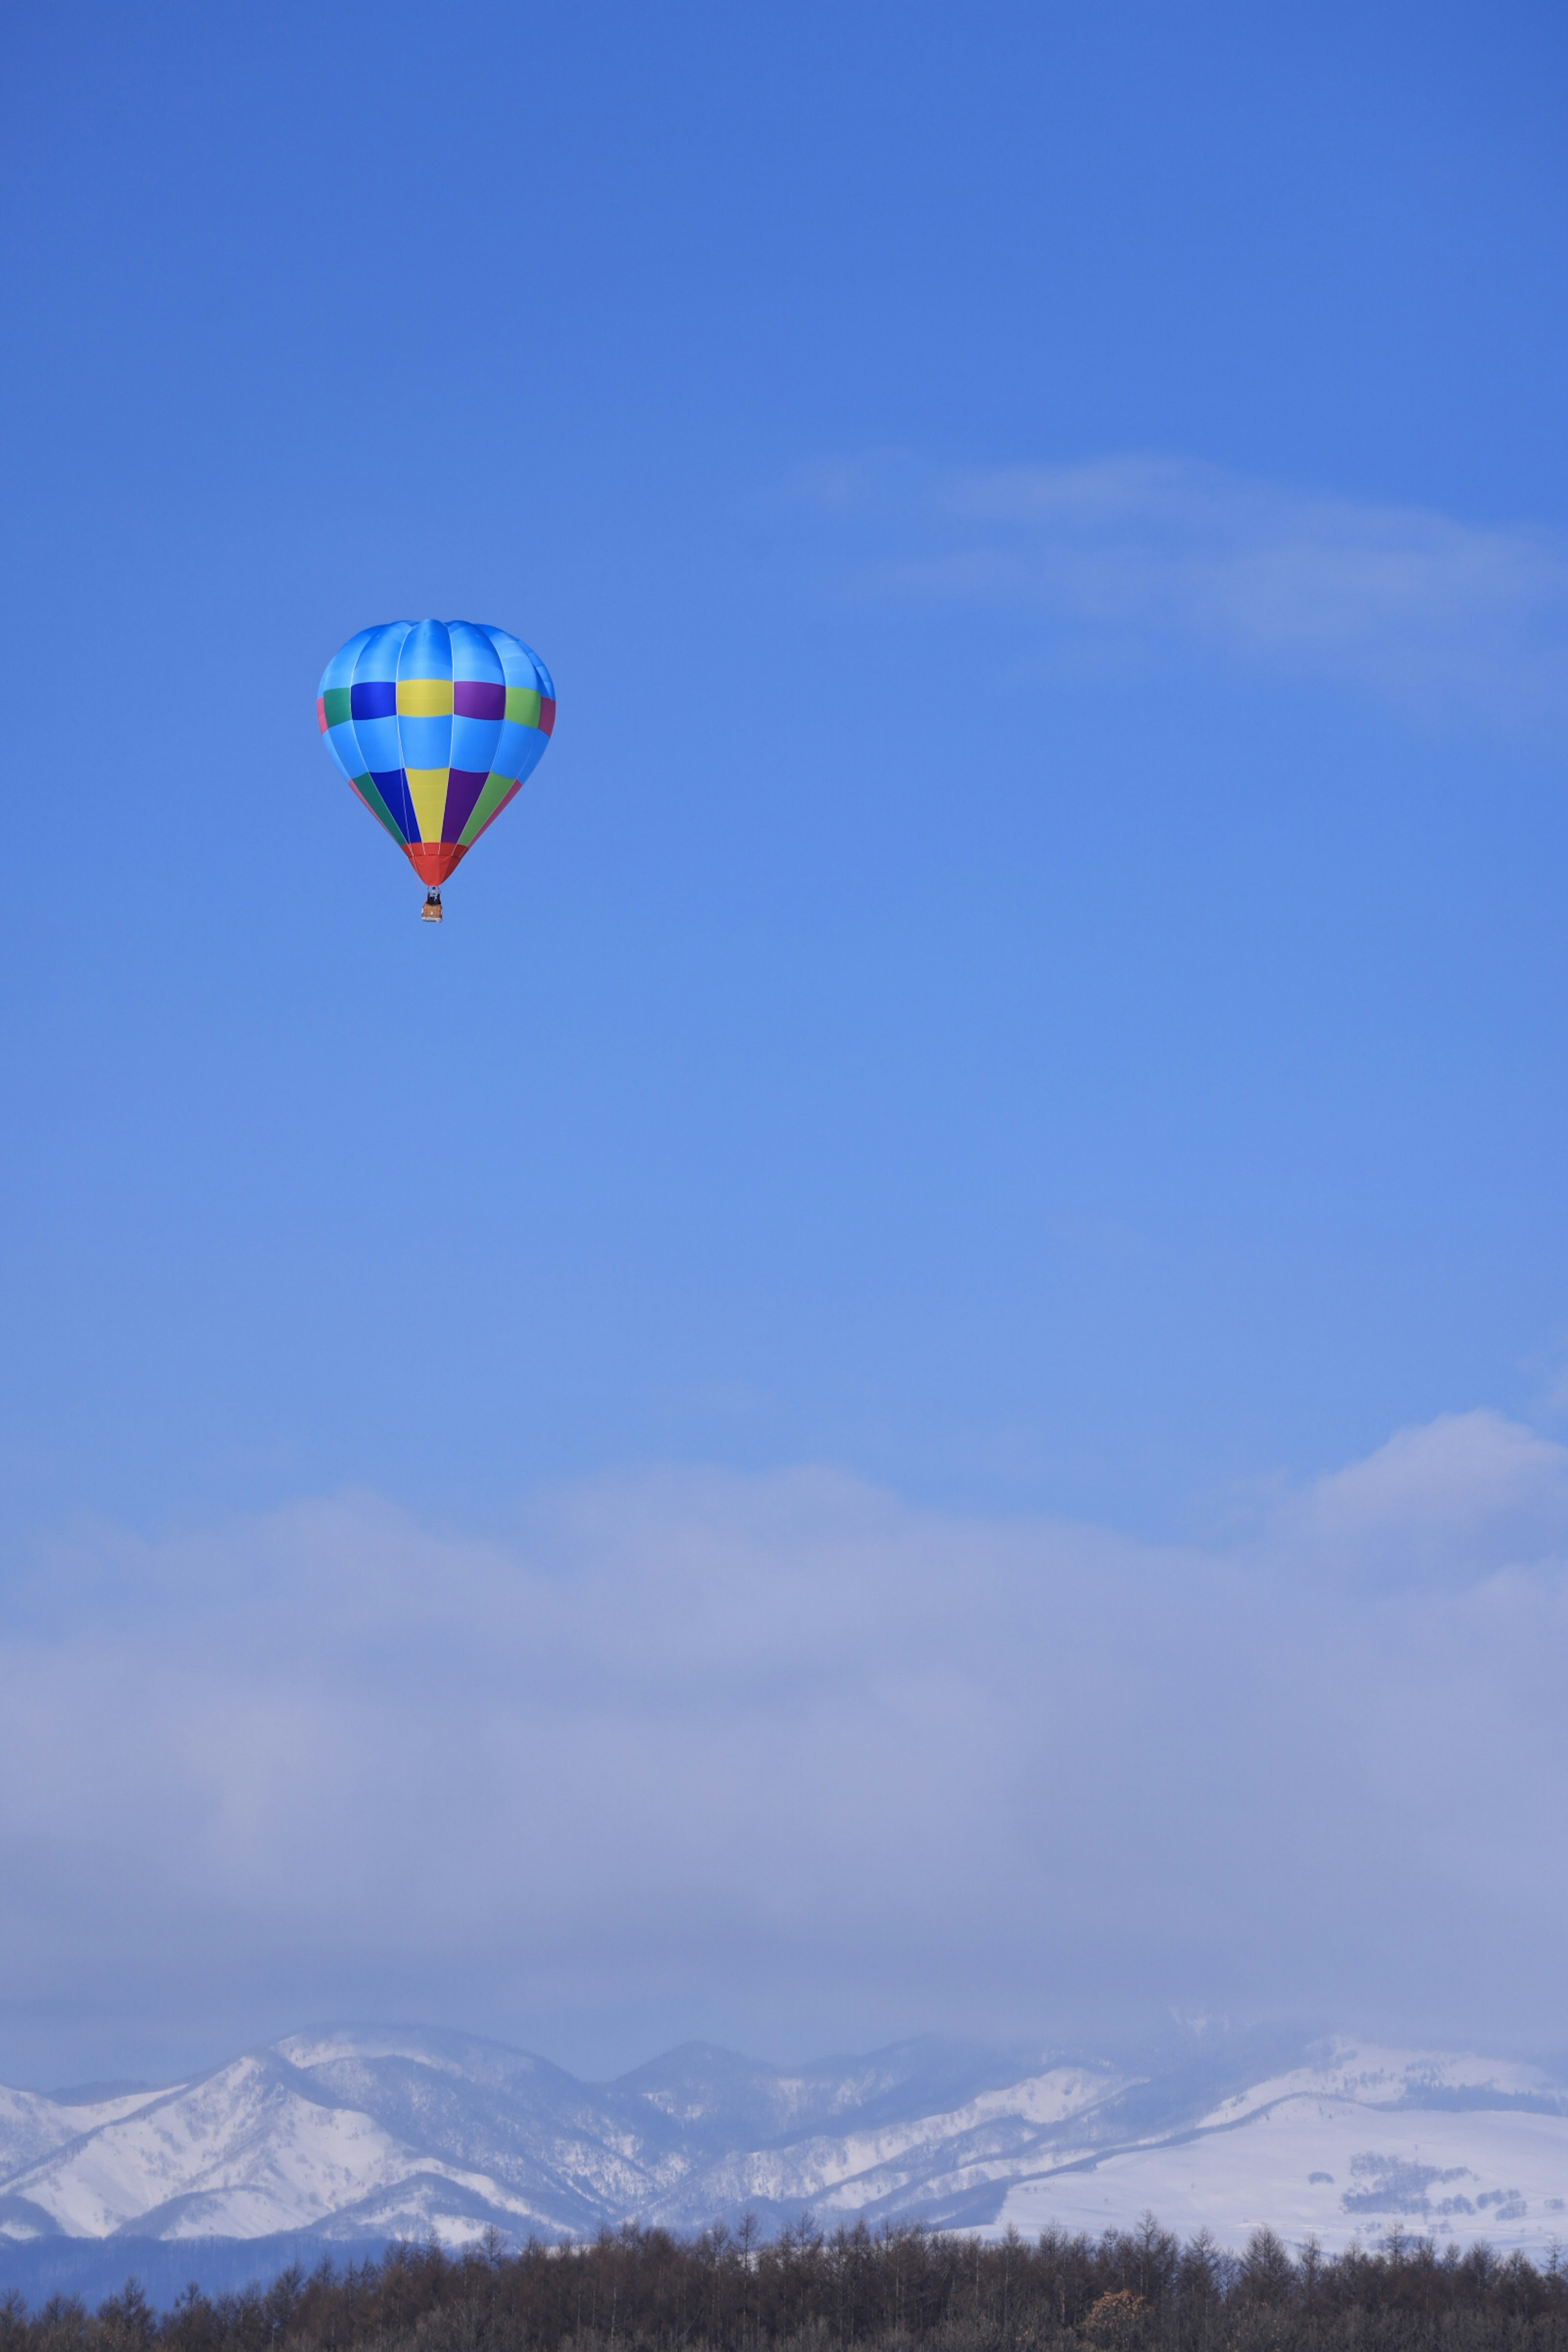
(1412, 602)
(783, 1759)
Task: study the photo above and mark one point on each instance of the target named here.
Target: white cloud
(786, 1759)
(1412, 602)
(1467, 1495)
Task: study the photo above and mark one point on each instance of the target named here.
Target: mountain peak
(351, 2133)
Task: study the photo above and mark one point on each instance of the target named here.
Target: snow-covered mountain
(354, 2135)
(1359, 2142)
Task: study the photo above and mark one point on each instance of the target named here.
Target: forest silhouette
(900, 2287)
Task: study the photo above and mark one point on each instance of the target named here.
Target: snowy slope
(1364, 2141)
(32, 2126)
(943, 2166)
(355, 2134)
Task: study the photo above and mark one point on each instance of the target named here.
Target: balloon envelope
(435, 724)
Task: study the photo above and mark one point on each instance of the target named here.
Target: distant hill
(345, 2139)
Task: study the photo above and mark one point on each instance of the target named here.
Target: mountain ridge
(352, 2135)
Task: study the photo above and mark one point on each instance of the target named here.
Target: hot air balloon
(435, 724)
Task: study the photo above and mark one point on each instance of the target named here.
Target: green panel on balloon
(489, 800)
(366, 787)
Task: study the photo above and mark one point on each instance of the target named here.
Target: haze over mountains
(354, 2135)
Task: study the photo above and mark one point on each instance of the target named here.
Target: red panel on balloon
(433, 860)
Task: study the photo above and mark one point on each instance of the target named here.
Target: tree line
(893, 2289)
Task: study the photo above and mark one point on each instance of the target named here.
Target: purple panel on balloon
(478, 698)
(464, 786)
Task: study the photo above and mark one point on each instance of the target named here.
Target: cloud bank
(1423, 608)
(785, 1760)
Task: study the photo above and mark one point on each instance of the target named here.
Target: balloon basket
(430, 912)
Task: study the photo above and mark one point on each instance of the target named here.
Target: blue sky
(1027, 994)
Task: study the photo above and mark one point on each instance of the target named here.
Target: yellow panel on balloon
(428, 790)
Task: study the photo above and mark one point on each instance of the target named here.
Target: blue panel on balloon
(378, 656)
(393, 786)
(427, 742)
(379, 742)
(426, 652)
(473, 656)
(473, 743)
(340, 670)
